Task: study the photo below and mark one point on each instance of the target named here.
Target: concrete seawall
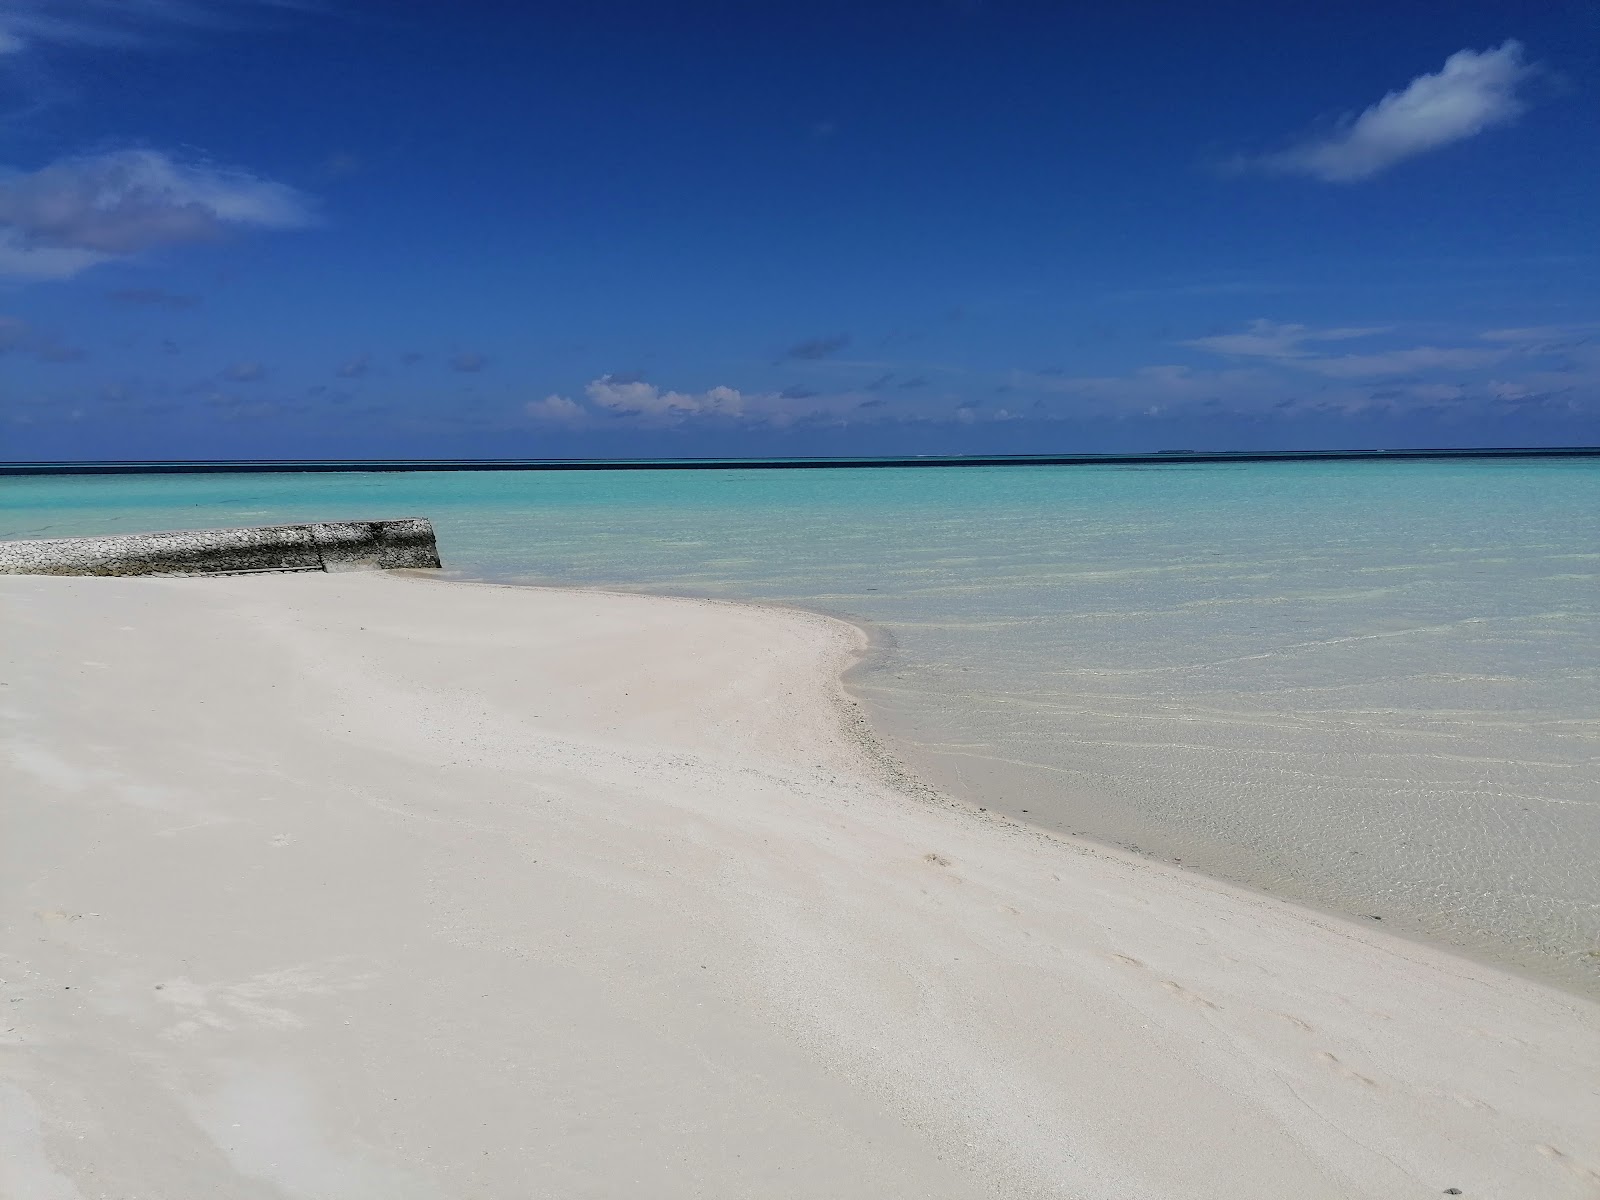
(318, 546)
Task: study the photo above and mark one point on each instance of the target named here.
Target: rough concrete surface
(316, 546)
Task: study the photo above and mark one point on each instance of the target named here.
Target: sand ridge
(361, 886)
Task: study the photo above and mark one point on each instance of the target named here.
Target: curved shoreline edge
(897, 760)
(397, 889)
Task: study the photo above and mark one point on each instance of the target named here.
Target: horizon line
(1161, 457)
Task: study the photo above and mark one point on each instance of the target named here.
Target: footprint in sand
(1177, 989)
(1345, 1071)
(1581, 1169)
(1184, 994)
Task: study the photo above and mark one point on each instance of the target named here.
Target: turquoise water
(1370, 686)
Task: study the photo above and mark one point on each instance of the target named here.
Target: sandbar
(349, 886)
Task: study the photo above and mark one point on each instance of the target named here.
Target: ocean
(1373, 687)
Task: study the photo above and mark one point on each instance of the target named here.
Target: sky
(331, 229)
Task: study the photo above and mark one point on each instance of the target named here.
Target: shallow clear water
(1371, 686)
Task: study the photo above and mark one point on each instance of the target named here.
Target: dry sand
(364, 886)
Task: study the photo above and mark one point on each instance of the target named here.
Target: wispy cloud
(120, 24)
(1270, 339)
(1406, 361)
(245, 372)
(152, 298)
(1153, 389)
(468, 361)
(75, 213)
(819, 347)
(1277, 369)
(354, 368)
(1303, 348)
(1474, 90)
(19, 337)
(35, 35)
(1546, 338)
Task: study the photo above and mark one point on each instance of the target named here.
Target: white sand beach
(362, 886)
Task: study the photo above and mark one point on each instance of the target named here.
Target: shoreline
(552, 890)
(933, 767)
(1143, 840)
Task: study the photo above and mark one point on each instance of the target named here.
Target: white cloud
(638, 398)
(559, 410)
(610, 398)
(1268, 339)
(1473, 91)
(77, 212)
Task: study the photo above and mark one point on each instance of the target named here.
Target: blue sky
(263, 228)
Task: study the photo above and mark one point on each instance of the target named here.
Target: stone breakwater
(316, 546)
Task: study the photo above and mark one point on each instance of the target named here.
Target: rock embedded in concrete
(316, 546)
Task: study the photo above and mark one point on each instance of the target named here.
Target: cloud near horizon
(1286, 369)
(637, 398)
(1269, 339)
(1473, 91)
(1273, 370)
(610, 397)
(78, 212)
(1296, 346)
